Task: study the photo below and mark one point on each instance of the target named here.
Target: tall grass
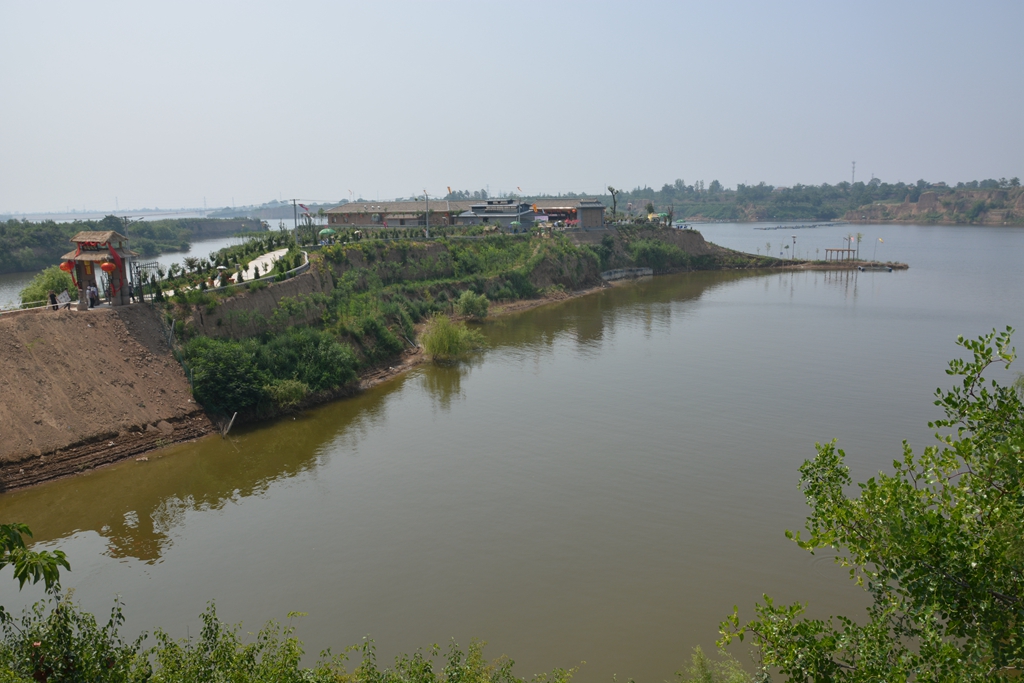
(446, 341)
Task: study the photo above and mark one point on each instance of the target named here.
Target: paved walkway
(265, 263)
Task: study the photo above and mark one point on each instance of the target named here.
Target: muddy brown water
(602, 484)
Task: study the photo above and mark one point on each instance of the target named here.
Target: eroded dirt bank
(80, 389)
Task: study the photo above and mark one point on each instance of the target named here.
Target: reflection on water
(444, 382)
(136, 506)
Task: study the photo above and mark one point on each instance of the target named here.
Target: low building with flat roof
(395, 214)
(585, 213)
(499, 212)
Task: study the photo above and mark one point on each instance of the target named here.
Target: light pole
(426, 212)
(794, 246)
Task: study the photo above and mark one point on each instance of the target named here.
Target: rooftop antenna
(853, 173)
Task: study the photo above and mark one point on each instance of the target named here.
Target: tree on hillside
(937, 544)
(614, 193)
(52, 279)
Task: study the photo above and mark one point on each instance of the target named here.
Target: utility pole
(295, 221)
(426, 212)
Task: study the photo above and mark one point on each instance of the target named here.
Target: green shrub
(225, 377)
(220, 654)
(472, 305)
(658, 255)
(703, 669)
(51, 279)
(445, 340)
(66, 644)
(312, 357)
(286, 392)
(520, 285)
(378, 342)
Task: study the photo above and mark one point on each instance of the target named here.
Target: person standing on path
(53, 300)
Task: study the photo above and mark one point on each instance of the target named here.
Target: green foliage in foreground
(63, 644)
(445, 340)
(29, 566)
(703, 669)
(937, 544)
(52, 279)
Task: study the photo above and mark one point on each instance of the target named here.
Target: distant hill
(271, 211)
(952, 206)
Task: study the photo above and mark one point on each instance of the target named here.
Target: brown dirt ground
(85, 388)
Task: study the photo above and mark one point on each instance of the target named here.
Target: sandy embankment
(85, 388)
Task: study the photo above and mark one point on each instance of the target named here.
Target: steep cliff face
(982, 207)
(81, 388)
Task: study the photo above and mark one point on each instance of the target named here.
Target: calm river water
(603, 484)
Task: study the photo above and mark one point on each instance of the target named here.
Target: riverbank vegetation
(372, 294)
(57, 642)
(26, 246)
(937, 545)
(445, 340)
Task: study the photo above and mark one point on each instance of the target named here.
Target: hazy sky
(163, 104)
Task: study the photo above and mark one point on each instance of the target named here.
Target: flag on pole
(304, 208)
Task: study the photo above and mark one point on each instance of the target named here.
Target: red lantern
(108, 267)
(67, 266)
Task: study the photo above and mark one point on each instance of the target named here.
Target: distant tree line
(767, 202)
(27, 246)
